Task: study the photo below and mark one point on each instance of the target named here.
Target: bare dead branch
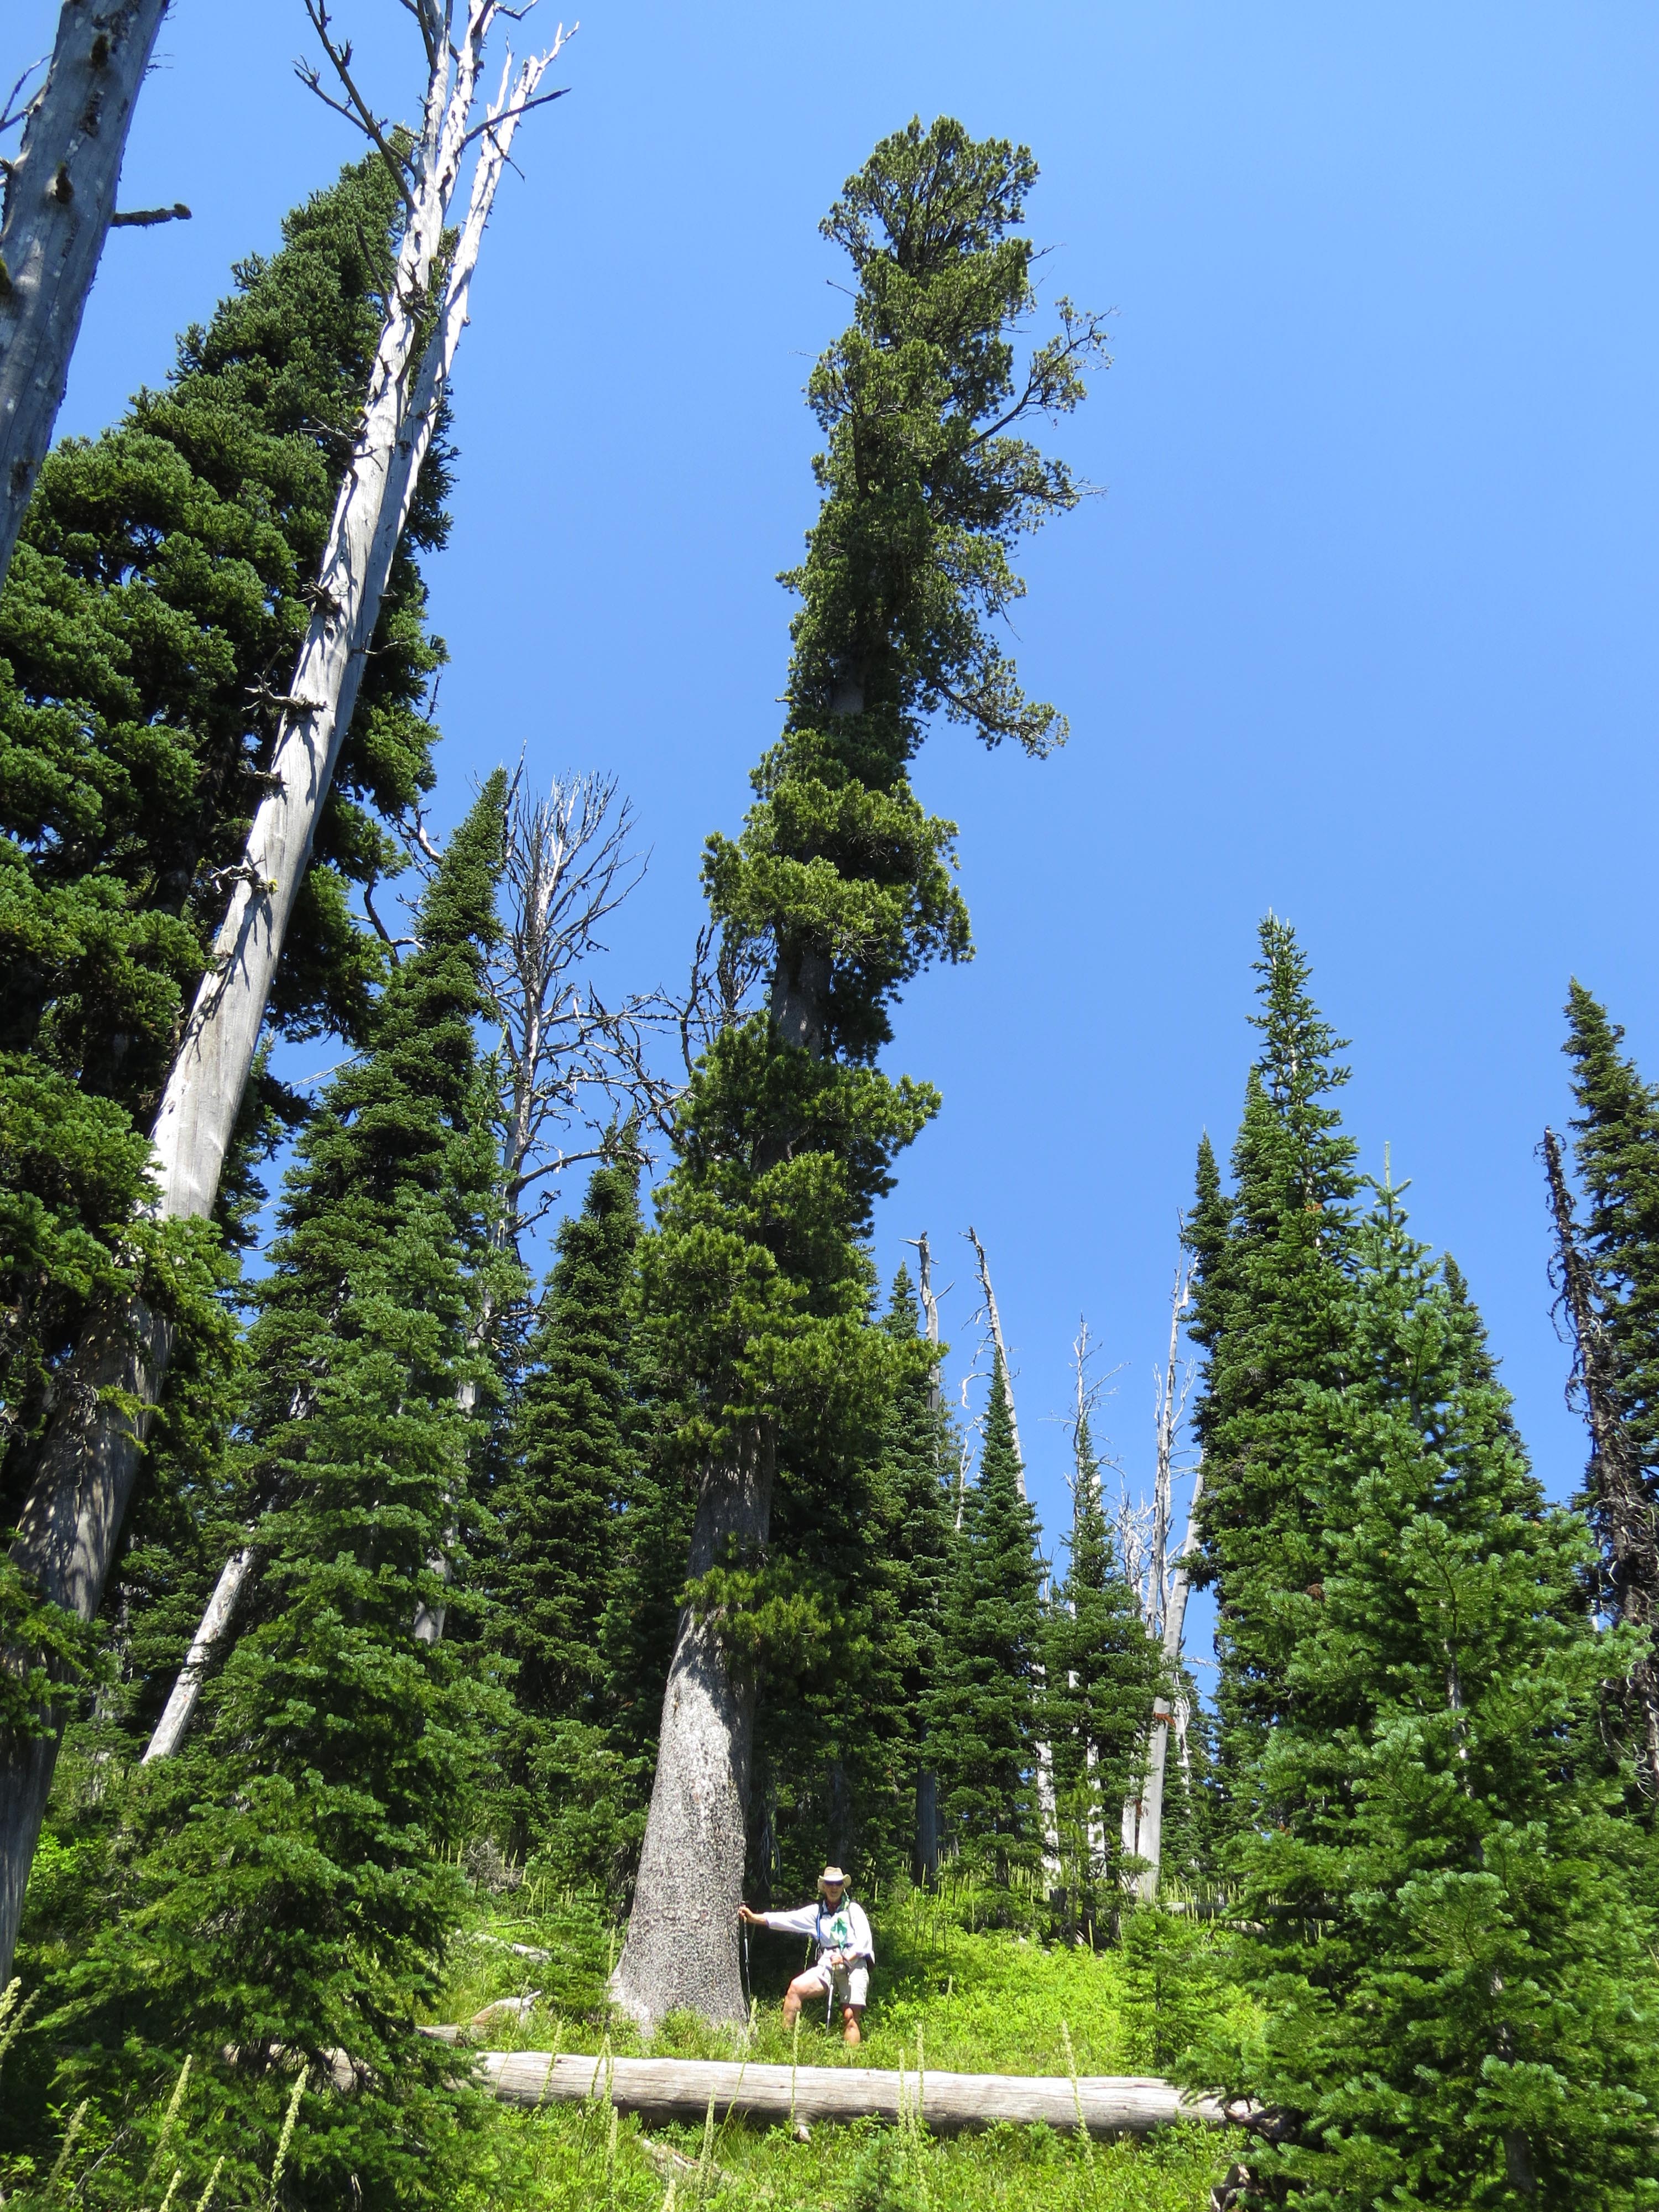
(142, 218)
(564, 1055)
(393, 944)
(511, 114)
(356, 109)
(11, 115)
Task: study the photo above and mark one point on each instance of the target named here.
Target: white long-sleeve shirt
(845, 1930)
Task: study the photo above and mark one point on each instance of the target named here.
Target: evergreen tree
(840, 1741)
(573, 1449)
(915, 1538)
(843, 885)
(981, 1712)
(1617, 1150)
(297, 1903)
(1102, 1671)
(1271, 1315)
(1456, 2007)
(150, 615)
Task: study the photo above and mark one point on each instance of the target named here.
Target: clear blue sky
(1362, 631)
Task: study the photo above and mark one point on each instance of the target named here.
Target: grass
(974, 2000)
(560, 2160)
(947, 1990)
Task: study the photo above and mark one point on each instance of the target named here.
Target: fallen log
(679, 2089)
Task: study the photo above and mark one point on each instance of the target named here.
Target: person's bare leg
(850, 2016)
(803, 1986)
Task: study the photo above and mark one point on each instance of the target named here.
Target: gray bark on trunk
(927, 1823)
(59, 199)
(89, 1460)
(681, 1954)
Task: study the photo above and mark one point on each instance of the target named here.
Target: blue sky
(1361, 630)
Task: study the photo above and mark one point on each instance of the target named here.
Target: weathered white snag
(946, 2103)
(1143, 1815)
(175, 1719)
(89, 1457)
(59, 202)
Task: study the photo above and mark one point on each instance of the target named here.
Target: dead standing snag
(72, 1517)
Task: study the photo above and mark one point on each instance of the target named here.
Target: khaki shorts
(850, 1986)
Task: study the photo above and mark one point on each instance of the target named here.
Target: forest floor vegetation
(959, 1996)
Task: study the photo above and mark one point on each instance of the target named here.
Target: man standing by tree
(846, 1951)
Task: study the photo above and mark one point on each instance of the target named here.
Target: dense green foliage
(756, 1280)
(1102, 1670)
(982, 1709)
(573, 1449)
(1617, 1148)
(1459, 2003)
(156, 598)
(1272, 1317)
(1408, 1873)
(1617, 1154)
(295, 1903)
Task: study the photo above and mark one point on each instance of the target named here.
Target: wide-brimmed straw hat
(830, 1875)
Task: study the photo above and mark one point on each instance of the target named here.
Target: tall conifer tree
(1617, 1148)
(1271, 1314)
(789, 1130)
(573, 1449)
(1457, 2008)
(300, 1907)
(918, 1458)
(982, 1710)
(152, 610)
(1102, 1670)
(843, 1739)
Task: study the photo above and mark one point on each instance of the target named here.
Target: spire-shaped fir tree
(919, 1456)
(1456, 2005)
(1616, 1145)
(572, 1451)
(296, 1906)
(982, 1713)
(843, 1742)
(1272, 1315)
(1102, 1670)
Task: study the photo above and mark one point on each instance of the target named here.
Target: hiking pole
(748, 1999)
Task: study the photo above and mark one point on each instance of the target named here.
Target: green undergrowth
(950, 1994)
(963, 1997)
(562, 2159)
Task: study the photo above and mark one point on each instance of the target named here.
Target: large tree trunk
(926, 1846)
(90, 1457)
(59, 198)
(681, 1954)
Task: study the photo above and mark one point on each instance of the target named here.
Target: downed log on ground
(680, 2089)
